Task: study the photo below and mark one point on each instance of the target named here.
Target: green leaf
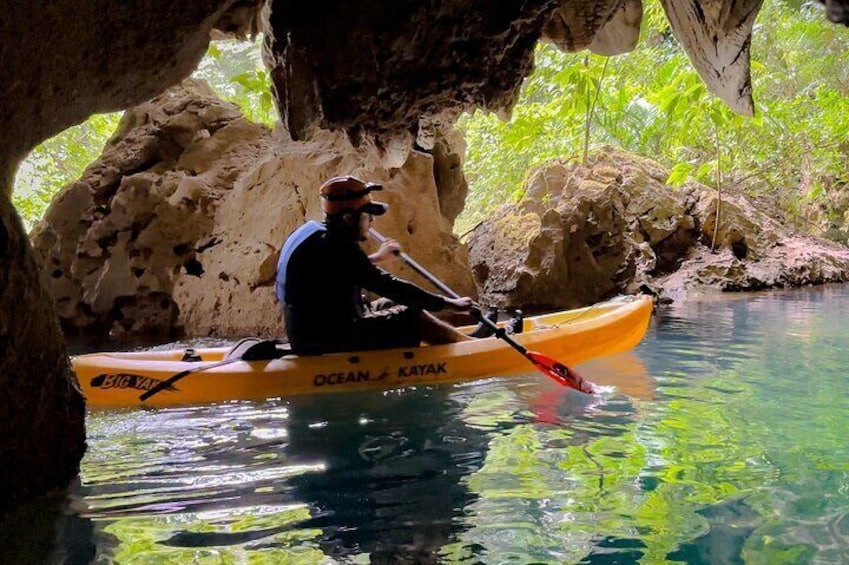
(817, 191)
(679, 174)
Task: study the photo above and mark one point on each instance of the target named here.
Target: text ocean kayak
(571, 336)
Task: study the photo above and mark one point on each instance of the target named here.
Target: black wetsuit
(323, 306)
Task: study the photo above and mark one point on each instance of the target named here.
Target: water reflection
(373, 474)
(626, 374)
(391, 486)
(46, 531)
(377, 476)
(721, 439)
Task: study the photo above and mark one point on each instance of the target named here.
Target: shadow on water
(384, 478)
(46, 531)
(393, 490)
(731, 523)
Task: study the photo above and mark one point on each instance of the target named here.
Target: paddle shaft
(170, 381)
(551, 368)
(445, 289)
(261, 350)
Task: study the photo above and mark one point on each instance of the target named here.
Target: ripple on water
(722, 435)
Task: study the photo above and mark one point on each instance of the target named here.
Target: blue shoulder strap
(298, 236)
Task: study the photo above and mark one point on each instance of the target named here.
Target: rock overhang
(386, 68)
(383, 69)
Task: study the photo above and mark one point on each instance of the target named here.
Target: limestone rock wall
(574, 25)
(61, 62)
(114, 243)
(278, 193)
(566, 244)
(64, 61)
(584, 233)
(717, 36)
(42, 433)
(176, 229)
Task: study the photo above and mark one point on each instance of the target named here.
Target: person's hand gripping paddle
(551, 368)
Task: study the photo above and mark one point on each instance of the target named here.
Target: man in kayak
(322, 271)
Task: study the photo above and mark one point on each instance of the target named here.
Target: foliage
(235, 71)
(232, 68)
(58, 161)
(653, 103)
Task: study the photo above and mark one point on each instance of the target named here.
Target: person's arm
(461, 303)
(380, 282)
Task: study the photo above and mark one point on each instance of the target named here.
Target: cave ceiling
(376, 69)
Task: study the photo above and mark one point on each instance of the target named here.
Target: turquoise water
(723, 440)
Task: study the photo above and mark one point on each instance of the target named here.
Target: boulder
(564, 245)
(113, 243)
(176, 229)
(584, 232)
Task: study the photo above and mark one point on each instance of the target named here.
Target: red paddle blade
(561, 373)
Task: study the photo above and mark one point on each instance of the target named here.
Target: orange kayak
(570, 336)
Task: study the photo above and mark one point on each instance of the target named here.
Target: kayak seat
(256, 349)
(515, 325)
(191, 356)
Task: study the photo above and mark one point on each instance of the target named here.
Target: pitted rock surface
(177, 228)
(584, 233)
(61, 62)
(114, 242)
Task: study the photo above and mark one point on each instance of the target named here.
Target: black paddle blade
(560, 373)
